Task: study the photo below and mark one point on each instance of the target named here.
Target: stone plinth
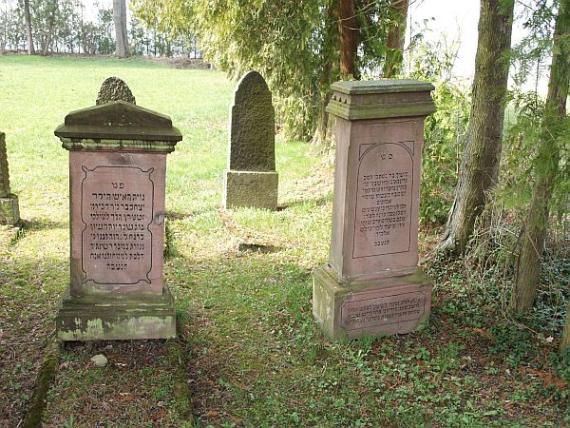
(372, 285)
(9, 209)
(251, 179)
(117, 169)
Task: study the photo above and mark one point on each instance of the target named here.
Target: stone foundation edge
(239, 189)
(116, 319)
(330, 295)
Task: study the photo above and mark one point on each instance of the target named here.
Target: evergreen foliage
(294, 45)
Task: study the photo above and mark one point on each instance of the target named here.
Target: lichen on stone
(114, 89)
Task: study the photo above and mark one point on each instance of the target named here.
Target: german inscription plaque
(383, 200)
(117, 211)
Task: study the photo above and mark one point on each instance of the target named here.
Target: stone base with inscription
(251, 189)
(119, 317)
(385, 306)
(9, 210)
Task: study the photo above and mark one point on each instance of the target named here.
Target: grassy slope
(255, 355)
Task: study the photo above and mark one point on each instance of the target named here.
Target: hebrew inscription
(117, 209)
(377, 311)
(383, 201)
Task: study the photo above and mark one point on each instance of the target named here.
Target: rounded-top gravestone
(251, 179)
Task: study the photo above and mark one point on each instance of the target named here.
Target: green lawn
(252, 353)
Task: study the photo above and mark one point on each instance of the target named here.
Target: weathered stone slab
(116, 317)
(375, 216)
(117, 221)
(4, 172)
(252, 128)
(251, 189)
(9, 208)
(371, 286)
(251, 147)
(117, 169)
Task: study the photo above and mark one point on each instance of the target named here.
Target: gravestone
(9, 210)
(372, 285)
(117, 170)
(251, 179)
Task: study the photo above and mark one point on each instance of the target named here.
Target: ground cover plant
(248, 348)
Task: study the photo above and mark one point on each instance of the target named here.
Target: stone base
(121, 317)
(9, 210)
(251, 189)
(379, 307)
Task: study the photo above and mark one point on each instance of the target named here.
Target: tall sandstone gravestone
(117, 171)
(9, 210)
(372, 285)
(251, 179)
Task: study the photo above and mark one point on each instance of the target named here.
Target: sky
(455, 20)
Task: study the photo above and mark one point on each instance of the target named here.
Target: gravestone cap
(115, 123)
(114, 89)
(378, 99)
(4, 174)
(252, 127)
(118, 120)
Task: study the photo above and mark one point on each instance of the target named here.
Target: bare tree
(28, 17)
(349, 33)
(546, 166)
(482, 153)
(396, 38)
(120, 19)
(565, 343)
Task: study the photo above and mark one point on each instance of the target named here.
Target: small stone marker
(117, 169)
(251, 179)
(372, 285)
(9, 210)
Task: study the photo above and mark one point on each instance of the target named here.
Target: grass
(253, 355)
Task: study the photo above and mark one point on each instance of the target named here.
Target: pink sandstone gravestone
(117, 170)
(372, 285)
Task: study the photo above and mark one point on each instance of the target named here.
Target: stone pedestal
(117, 167)
(372, 285)
(251, 189)
(251, 180)
(9, 209)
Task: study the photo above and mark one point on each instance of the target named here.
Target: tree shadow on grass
(43, 224)
(319, 202)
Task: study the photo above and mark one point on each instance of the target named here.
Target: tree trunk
(565, 342)
(349, 33)
(396, 39)
(28, 18)
(329, 70)
(482, 152)
(546, 166)
(120, 20)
